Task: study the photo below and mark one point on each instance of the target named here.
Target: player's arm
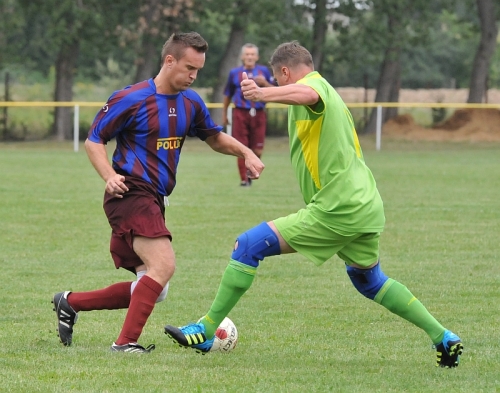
(225, 104)
(293, 94)
(226, 144)
(98, 156)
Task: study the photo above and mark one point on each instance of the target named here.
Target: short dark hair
(177, 44)
(291, 54)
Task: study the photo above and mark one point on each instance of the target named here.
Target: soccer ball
(226, 337)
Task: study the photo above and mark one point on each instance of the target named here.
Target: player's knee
(256, 244)
(367, 281)
(161, 297)
(163, 294)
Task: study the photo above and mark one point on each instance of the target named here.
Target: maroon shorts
(141, 212)
(249, 130)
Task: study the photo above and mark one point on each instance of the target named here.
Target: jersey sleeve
(111, 119)
(318, 86)
(202, 125)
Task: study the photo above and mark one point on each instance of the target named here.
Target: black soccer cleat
(132, 348)
(66, 317)
(449, 350)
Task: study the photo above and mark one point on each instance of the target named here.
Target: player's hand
(225, 121)
(254, 166)
(260, 80)
(115, 186)
(250, 89)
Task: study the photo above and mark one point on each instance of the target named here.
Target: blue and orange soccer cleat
(449, 350)
(190, 336)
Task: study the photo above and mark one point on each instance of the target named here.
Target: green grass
(302, 328)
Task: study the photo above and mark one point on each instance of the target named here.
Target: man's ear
(285, 71)
(169, 61)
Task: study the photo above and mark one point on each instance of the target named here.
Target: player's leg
(257, 134)
(141, 272)
(68, 304)
(158, 256)
(148, 222)
(299, 232)
(240, 131)
(368, 278)
(250, 248)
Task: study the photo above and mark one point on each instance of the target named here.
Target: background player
(249, 117)
(150, 121)
(344, 213)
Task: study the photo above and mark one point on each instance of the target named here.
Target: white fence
(378, 105)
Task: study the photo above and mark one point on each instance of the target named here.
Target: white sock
(140, 274)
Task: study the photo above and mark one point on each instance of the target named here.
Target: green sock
(236, 280)
(398, 299)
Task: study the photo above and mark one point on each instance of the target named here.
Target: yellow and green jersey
(335, 182)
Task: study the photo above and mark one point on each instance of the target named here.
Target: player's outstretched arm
(226, 144)
(292, 94)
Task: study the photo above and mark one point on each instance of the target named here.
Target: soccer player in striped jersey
(150, 122)
(344, 213)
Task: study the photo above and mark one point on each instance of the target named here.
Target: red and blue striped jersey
(233, 88)
(150, 129)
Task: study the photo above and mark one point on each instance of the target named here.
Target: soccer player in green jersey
(344, 213)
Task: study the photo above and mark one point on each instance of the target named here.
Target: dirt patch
(357, 94)
(474, 125)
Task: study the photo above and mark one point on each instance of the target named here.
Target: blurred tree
(393, 26)
(12, 23)
(320, 27)
(158, 19)
(61, 26)
(240, 11)
(489, 32)
(229, 24)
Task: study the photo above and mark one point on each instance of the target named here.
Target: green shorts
(318, 242)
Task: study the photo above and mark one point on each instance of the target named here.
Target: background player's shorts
(141, 212)
(318, 242)
(249, 130)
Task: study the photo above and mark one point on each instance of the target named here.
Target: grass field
(302, 328)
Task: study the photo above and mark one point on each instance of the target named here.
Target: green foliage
(302, 328)
(262, 28)
(113, 74)
(438, 39)
(11, 33)
(438, 42)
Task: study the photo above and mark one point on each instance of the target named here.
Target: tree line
(380, 44)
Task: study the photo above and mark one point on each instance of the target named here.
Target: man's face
(249, 57)
(182, 73)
